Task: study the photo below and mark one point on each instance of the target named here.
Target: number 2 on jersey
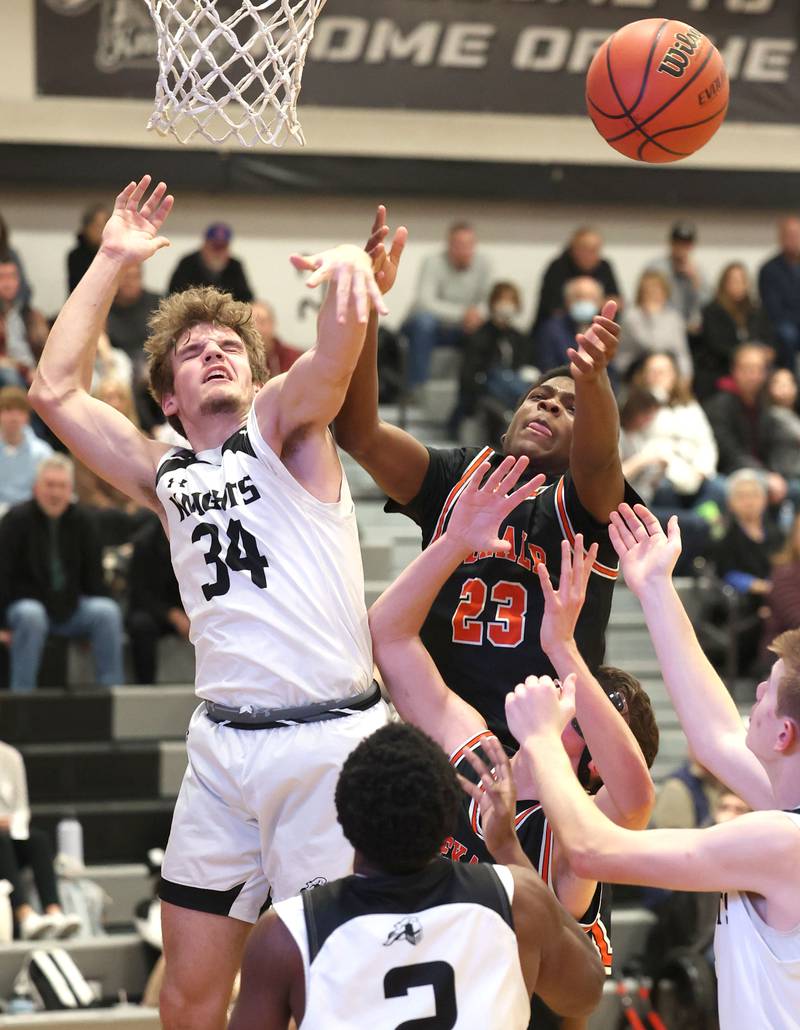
(508, 626)
(438, 975)
(242, 555)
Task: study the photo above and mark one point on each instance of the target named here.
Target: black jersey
(483, 628)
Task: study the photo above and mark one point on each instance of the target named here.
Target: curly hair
(397, 798)
(641, 717)
(179, 312)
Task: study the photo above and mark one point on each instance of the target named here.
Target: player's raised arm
(395, 460)
(594, 456)
(96, 433)
(415, 684)
(704, 706)
(628, 794)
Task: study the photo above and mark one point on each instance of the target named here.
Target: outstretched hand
(496, 796)
(646, 554)
(597, 347)
(385, 263)
(563, 606)
(350, 269)
(131, 233)
(540, 706)
(483, 506)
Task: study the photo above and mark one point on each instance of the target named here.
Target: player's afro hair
(397, 798)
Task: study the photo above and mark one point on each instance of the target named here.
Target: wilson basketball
(657, 90)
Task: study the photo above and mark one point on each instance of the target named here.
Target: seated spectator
(784, 450)
(154, 601)
(51, 579)
(24, 846)
(583, 299)
(93, 221)
(126, 324)
(643, 462)
(743, 558)
(688, 290)
(779, 286)
(653, 325)
(687, 798)
(451, 289)
(497, 358)
(583, 256)
(23, 330)
(91, 489)
(732, 318)
(741, 419)
(213, 265)
(111, 363)
(783, 598)
(280, 356)
(21, 450)
(6, 250)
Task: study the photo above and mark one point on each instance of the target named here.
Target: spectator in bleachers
(51, 579)
(743, 559)
(732, 318)
(280, 356)
(784, 449)
(583, 299)
(498, 360)
(213, 265)
(21, 450)
(779, 285)
(154, 601)
(688, 289)
(583, 256)
(783, 598)
(91, 489)
(643, 462)
(652, 324)
(687, 798)
(740, 417)
(451, 292)
(6, 250)
(82, 254)
(24, 846)
(126, 324)
(23, 330)
(111, 363)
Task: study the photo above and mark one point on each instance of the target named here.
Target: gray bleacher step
(125, 884)
(124, 1017)
(630, 927)
(118, 962)
(152, 713)
(172, 755)
(377, 559)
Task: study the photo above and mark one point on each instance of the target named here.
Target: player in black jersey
(482, 628)
(601, 744)
(476, 940)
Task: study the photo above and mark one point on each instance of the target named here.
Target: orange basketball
(657, 90)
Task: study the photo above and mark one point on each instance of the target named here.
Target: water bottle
(69, 840)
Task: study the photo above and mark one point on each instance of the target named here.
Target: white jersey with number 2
(270, 577)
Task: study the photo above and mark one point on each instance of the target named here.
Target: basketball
(657, 90)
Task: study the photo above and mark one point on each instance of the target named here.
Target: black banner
(505, 56)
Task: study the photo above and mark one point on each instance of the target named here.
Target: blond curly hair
(179, 312)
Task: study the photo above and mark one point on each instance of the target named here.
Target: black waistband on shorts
(248, 718)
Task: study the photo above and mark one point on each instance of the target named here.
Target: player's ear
(788, 735)
(168, 404)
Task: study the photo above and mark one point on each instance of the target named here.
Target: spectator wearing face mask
(652, 324)
(583, 299)
(498, 360)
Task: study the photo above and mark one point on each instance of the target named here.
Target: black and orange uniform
(483, 628)
(538, 842)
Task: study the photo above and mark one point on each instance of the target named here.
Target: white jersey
(385, 951)
(758, 967)
(270, 577)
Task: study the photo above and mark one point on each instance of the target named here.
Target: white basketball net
(231, 68)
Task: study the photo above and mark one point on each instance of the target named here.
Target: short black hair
(559, 372)
(397, 798)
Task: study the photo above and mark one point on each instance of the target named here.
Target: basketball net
(231, 69)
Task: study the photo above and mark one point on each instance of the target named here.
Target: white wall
(519, 239)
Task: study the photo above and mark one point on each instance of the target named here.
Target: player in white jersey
(412, 939)
(753, 860)
(264, 542)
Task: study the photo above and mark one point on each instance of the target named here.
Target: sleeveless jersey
(537, 839)
(483, 628)
(385, 952)
(758, 967)
(270, 577)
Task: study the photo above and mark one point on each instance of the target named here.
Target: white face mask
(504, 311)
(582, 311)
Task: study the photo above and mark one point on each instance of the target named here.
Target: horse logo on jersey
(408, 929)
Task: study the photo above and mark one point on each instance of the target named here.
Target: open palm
(646, 553)
(483, 506)
(132, 232)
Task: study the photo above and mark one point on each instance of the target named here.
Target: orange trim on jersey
(599, 938)
(487, 452)
(547, 855)
(470, 745)
(566, 528)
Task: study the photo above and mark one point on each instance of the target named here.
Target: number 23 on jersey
(498, 613)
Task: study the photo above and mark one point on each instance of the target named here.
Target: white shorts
(255, 817)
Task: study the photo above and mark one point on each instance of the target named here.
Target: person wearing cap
(688, 285)
(213, 265)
